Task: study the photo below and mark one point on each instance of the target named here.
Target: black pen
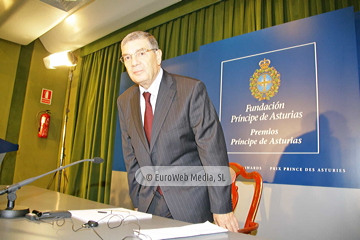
(101, 212)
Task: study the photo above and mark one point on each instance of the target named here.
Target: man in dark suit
(183, 130)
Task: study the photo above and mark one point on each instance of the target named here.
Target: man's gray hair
(140, 35)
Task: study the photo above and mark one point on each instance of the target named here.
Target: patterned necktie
(148, 116)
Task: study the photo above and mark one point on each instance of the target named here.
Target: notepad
(109, 215)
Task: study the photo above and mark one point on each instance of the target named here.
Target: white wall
(303, 212)
(286, 211)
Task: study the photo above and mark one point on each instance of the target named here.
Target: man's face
(142, 69)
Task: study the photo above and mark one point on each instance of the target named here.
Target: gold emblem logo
(265, 82)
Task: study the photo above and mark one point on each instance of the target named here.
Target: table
(42, 199)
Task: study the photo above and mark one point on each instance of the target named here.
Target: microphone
(8, 212)
(16, 186)
(98, 160)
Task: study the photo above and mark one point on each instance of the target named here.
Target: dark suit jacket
(185, 132)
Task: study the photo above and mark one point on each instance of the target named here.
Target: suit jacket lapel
(136, 115)
(163, 102)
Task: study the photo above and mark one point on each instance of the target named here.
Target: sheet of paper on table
(178, 232)
(109, 215)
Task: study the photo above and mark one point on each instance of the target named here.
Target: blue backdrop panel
(357, 26)
(313, 136)
(268, 131)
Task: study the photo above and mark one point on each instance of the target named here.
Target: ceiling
(65, 25)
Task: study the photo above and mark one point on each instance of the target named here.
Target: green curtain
(95, 124)
(231, 18)
(99, 78)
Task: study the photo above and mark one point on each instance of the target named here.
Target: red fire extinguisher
(44, 124)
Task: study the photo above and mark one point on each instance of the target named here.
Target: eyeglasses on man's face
(139, 54)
